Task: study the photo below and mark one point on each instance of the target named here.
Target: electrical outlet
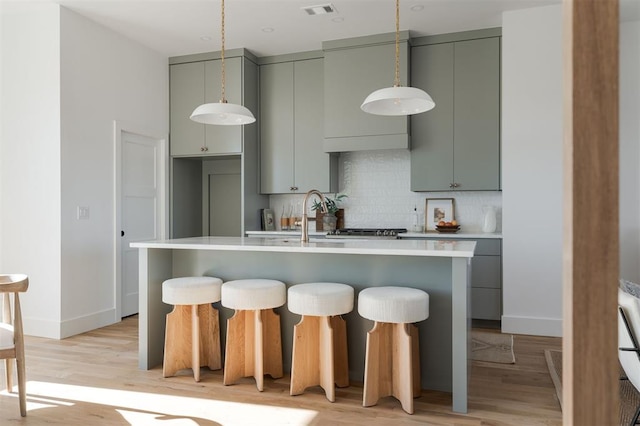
(83, 212)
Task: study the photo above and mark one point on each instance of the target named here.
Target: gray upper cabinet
(353, 69)
(291, 117)
(191, 85)
(456, 146)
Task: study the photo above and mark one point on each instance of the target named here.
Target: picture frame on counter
(267, 220)
(438, 209)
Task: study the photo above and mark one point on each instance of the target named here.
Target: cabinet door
(224, 139)
(477, 114)
(186, 93)
(350, 75)
(432, 141)
(276, 128)
(312, 165)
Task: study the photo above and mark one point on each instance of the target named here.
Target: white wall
(104, 77)
(64, 81)
(532, 171)
(630, 151)
(30, 158)
(532, 167)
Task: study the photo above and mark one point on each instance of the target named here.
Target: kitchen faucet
(304, 237)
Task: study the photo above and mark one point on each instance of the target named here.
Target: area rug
(492, 347)
(629, 396)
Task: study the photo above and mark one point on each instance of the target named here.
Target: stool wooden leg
(8, 369)
(209, 337)
(254, 346)
(388, 365)
(239, 350)
(305, 355)
(340, 352)
(312, 361)
(177, 341)
(192, 340)
(195, 342)
(272, 343)
(402, 366)
(258, 348)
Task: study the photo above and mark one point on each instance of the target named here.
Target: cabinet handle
(202, 149)
(455, 185)
(205, 149)
(452, 185)
(294, 188)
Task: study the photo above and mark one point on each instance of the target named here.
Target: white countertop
(426, 247)
(429, 235)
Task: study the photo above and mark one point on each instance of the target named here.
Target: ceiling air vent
(321, 9)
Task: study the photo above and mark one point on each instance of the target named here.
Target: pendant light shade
(222, 113)
(397, 100)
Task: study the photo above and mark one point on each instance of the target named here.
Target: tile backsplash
(377, 184)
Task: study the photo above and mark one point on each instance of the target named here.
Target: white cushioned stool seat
(320, 299)
(253, 294)
(191, 290)
(393, 304)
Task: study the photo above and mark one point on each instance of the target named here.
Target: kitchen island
(441, 268)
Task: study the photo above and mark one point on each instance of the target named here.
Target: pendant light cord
(397, 80)
(223, 98)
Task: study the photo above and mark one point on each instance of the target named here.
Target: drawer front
(486, 303)
(486, 272)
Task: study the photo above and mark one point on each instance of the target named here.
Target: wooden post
(590, 366)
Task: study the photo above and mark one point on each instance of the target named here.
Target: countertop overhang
(430, 248)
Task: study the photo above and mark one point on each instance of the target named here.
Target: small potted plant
(327, 221)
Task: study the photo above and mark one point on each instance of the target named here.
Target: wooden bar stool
(392, 364)
(254, 345)
(319, 354)
(192, 338)
(11, 335)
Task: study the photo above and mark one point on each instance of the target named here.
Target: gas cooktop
(367, 233)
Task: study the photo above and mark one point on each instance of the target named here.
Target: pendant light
(222, 113)
(397, 100)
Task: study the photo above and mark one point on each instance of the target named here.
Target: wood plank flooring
(93, 379)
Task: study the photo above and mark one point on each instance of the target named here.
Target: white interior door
(141, 207)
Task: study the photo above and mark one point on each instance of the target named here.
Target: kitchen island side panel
(432, 274)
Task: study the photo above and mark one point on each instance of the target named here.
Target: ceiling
(179, 27)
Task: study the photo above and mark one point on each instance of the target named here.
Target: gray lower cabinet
(486, 278)
(191, 84)
(456, 146)
(291, 126)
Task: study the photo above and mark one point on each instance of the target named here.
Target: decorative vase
(489, 220)
(329, 222)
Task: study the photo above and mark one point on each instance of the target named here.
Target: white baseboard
(60, 330)
(89, 322)
(532, 325)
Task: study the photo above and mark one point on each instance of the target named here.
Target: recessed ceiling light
(267, 30)
(338, 19)
(321, 9)
(205, 38)
(417, 8)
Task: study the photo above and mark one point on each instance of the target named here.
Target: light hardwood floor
(93, 379)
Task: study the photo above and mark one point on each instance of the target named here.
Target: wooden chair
(11, 335)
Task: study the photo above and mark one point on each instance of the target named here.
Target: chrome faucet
(304, 237)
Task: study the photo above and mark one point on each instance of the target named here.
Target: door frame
(119, 127)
